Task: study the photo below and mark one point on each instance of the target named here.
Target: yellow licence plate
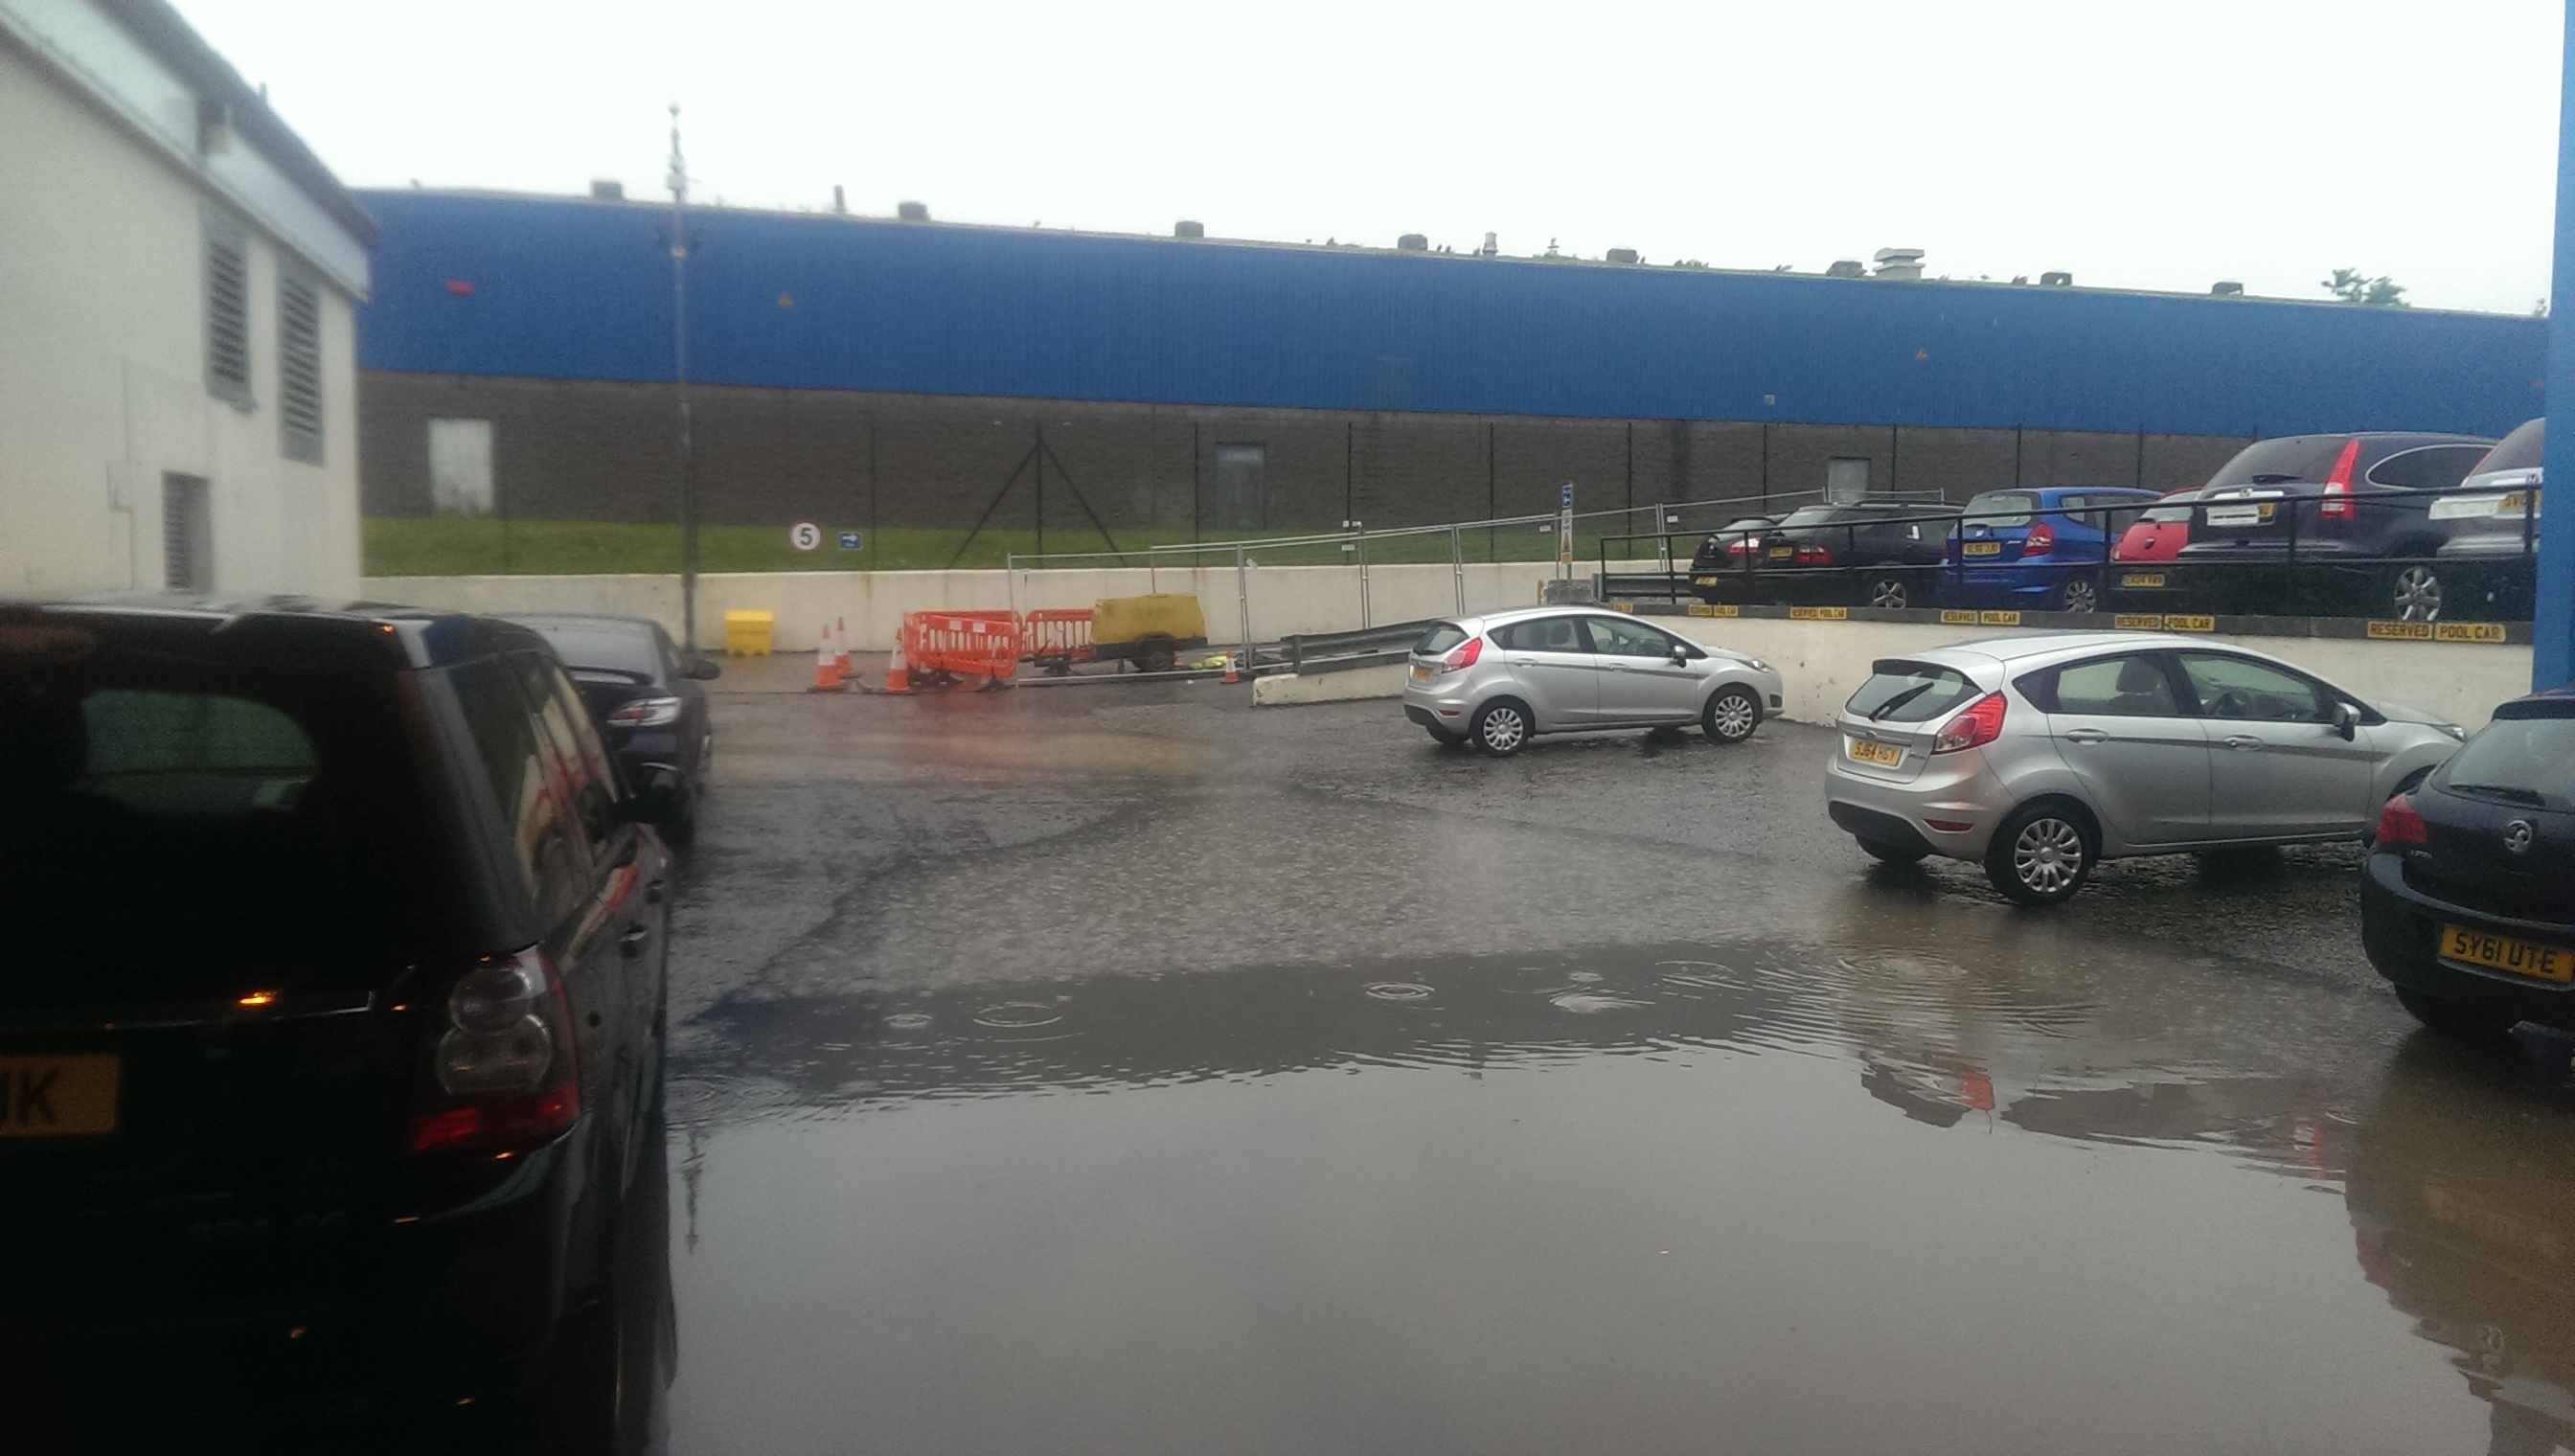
(1782, 552)
(2142, 579)
(1702, 581)
(2504, 952)
(1887, 754)
(57, 1097)
(1981, 547)
(1421, 674)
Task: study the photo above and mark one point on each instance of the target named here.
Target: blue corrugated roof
(571, 288)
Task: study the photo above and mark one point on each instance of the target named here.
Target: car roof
(390, 635)
(2022, 646)
(1489, 619)
(581, 621)
(2547, 702)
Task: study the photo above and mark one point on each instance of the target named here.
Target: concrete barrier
(1281, 690)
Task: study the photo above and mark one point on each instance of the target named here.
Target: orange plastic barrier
(946, 646)
(1055, 638)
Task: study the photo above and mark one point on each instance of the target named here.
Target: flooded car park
(1067, 1070)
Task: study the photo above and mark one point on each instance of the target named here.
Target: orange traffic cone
(826, 668)
(841, 646)
(898, 674)
(1234, 667)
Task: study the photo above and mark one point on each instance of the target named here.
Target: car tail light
(2338, 504)
(1812, 555)
(1464, 655)
(1976, 724)
(1742, 545)
(2401, 823)
(2040, 540)
(645, 712)
(502, 1075)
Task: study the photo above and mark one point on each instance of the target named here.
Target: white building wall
(102, 372)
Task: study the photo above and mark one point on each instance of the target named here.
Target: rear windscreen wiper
(2504, 791)
(1898, 700)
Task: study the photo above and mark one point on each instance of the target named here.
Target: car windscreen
(613, 649)
(175, 831)
(2001, 508)
(2518, 450)
(2520, 759)
(2306, 458)
(1906, 692)
(1440, 639)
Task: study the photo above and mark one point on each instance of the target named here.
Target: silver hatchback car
(2042, 754)
(1496, 682)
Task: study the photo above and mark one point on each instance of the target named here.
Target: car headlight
(2453, 729)
(1756, 665)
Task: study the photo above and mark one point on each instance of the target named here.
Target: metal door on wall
(1242, 500)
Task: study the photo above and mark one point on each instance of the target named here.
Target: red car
(2157, 536)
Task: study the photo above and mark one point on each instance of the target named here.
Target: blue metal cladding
(575, 289)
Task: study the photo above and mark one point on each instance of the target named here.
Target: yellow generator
(1150, 631)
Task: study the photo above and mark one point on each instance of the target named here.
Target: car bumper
(2400, 929)
(1950, 809)
(1438, 704)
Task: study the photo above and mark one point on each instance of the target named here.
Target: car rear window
(2168, 514)
(1903, 691)
(2530, 760)
(2308, 457)
(1816, 515)
(2001, 508)
(2432, 468)
(609, 647)
(2518, 450)
(174, 830)
(1440, 639)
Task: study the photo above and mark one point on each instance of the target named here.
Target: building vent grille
(187, 533)
(299, 368)
(228, 314)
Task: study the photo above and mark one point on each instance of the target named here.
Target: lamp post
(679, 181)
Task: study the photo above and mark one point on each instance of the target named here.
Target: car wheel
(1890, 594)
(1155, 655)
(1730, 715)
(1500, 728)
(2452, 1018)
(1444, 735)
(2042, 853)
(2414, 594)
(1886, 854)
(2078, 595)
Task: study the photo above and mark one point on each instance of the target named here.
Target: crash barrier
(1055, 638)
(1343, 652)
(2407, 554)
(946, 649)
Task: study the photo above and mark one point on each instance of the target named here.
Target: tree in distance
(2351, 286)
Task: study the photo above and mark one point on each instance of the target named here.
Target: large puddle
(1760, 1196)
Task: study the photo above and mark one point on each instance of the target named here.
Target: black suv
(1869, 554)
(331, 1006)
(2346, 516)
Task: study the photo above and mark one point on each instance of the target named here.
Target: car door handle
(2243, 744)
(1523, 662)
(2086, 735)
(1617, 666)
(632, 943)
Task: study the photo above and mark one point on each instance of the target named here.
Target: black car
(331, 1009)
(645, 698)
(2349, 514)
(2489, 555)
(1869, 553)
(2467, 899)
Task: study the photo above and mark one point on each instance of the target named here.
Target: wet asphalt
(1122, 1069)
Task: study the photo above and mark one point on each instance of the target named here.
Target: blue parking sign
(850, 541)
(1569, 493)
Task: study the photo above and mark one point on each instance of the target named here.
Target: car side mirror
(706, 669)
(1680, 654)
(2346, 721)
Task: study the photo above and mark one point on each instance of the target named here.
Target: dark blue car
(2038, 550)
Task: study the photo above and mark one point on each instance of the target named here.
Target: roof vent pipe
(1900, 263)
(1493, 245)
(840, 202)
(911, 211)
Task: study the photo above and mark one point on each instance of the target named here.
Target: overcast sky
(2142, 145)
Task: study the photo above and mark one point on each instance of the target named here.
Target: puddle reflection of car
(2040, 755)
(2463, 1212)
(344, 1065)
(1497, 682)
(2467, 899)
(2036, 549)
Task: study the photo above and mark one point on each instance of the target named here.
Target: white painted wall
(1823, 662)
(102, 376)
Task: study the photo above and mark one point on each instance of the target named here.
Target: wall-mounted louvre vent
(187, 533)
(227, 312)
(299, 368)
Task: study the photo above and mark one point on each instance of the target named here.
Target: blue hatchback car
(2041, 550)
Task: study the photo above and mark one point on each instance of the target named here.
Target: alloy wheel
(2078, 594)
(2048, 855)
(1734, 717)
(1502, 728)
(2417, 595)
(1888, 592)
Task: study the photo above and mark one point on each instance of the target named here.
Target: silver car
(2042, 754)
(1496, 682)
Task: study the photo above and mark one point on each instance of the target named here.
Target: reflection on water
(2463, 1207)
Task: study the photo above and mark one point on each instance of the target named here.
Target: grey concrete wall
(602, 451)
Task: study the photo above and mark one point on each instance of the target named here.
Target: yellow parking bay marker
(2189, 622)
(1957, 616)
(1714, 608)
(2400, 630)
(1819, 614)
(2140, 622)
(1997, 618)
(2486, 632)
